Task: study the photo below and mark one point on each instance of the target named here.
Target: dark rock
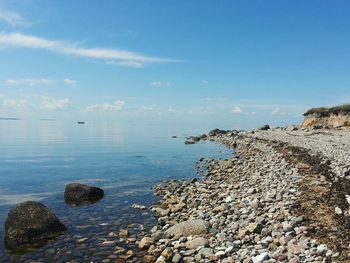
(217, 132)
(31, 224)
(78, 194)
(264, 128)
(196, 139)
(190, 142)
(317, 127)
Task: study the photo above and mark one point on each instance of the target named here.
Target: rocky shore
(283, 197)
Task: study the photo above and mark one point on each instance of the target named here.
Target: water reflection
(19, 198)
(52, 132)
(38, 159)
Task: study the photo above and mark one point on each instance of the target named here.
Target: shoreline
(284, 196)
(281, 198)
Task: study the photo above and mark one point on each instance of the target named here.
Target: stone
(123, 233)
(146, 242)
(261, 257)
(197, 242)
(160, 211)
(297, 248)
(137, 206)
(176, 258)
(254, 228)
(161, 259)
(206, 252)
(321, 249)
(187, 228)
(264, 128)
(338, 211)
(167, 254)
(220, 254)
(228, 260)
(217, 132)
(31, 223)
(78, 194)
(149, 259)
(286, 227)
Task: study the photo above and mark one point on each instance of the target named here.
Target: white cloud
(109, 107)
(205, 81)
(237, 109)
(29, 82)
(52, 104)
(160, 84)
(70, 82)
(11, 18)
(110, 56)
(277, 111)
(13, 82)
(17, 105)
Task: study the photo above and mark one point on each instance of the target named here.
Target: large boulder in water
(31, 224)
(77, 194)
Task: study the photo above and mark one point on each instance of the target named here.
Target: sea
(127, 160)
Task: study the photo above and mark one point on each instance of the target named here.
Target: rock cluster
(31, 224)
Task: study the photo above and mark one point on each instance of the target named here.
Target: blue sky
(210, 63)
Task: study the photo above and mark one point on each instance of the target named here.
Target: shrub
(344, 108)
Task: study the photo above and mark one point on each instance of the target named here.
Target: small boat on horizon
(81, 122)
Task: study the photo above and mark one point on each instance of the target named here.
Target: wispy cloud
(237, 109)
(70, 82)
(110, 56)
(53, 104)
(160, 84)
(107, 107)
(11, 18)
(29, 82)
(130, 64)
(277, 111)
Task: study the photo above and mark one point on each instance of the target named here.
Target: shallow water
(37, 159)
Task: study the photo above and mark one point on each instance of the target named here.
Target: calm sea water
(37, 159)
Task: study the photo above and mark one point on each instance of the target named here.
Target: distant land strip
(10, 119)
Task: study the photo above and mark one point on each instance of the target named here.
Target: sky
(209, 63)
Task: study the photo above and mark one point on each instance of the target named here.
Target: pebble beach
(283, 197)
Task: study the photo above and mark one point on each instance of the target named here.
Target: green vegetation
(344, 108)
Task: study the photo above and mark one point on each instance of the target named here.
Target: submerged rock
(77, 194)
(31, 224)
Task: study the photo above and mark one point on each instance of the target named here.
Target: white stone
(322, 248)
(261, 258)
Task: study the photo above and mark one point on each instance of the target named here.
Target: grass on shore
(323, 111)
